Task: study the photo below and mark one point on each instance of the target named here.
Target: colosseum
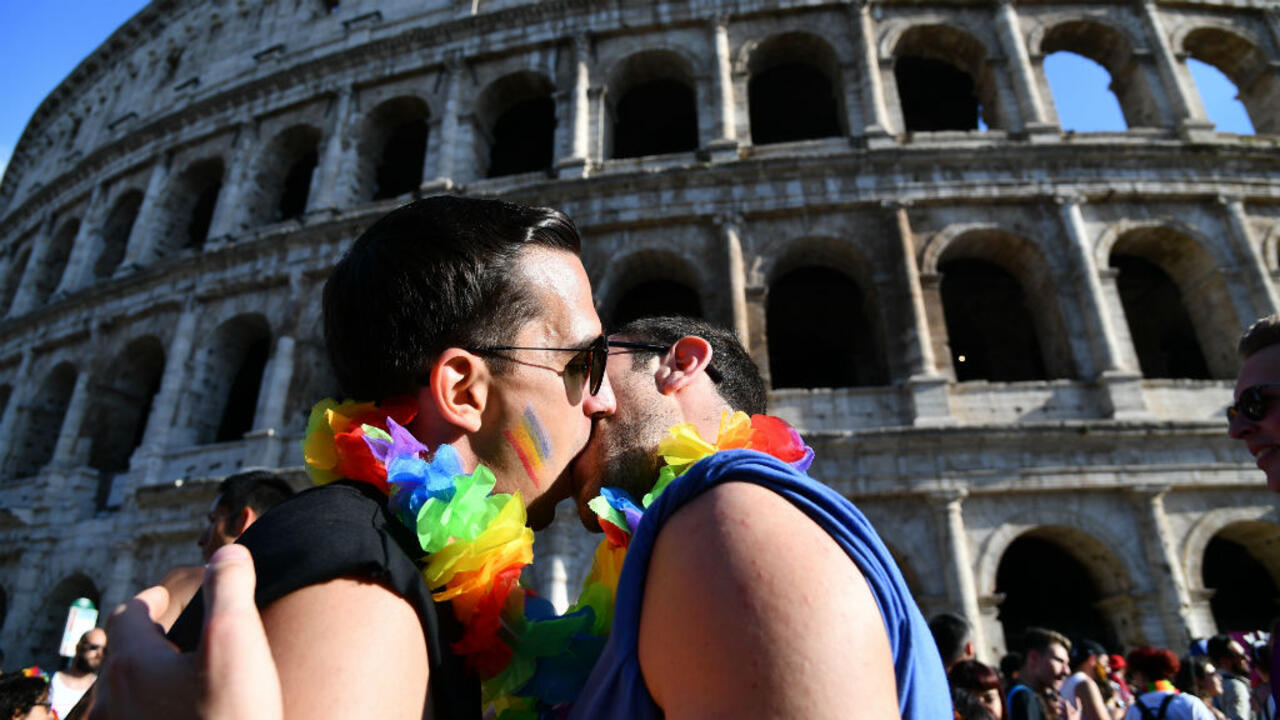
(1010, 344)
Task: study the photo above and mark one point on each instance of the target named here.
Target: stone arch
(635, 282)
(987, 265)
(229, 367)
(37, 433)
(516, 120)
(13, 278)
(1090, 544)
(1191, 264)
(652, 105)
(54, 262)
(119, 408)
(393, 148)
(943, 80)
(824, 272)
(795, 89)
(53, 615)
(1239, 56)
(281, 185)
(1248, 523)
(1112, 48)
(189, 206)
(313, 378)
(115, 233)
(1241, 568)
(1271, 248)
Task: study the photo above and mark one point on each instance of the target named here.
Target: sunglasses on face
(1252, 403)
(585, 367)
(661, 349)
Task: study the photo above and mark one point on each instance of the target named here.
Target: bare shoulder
(752, 609)
(358, 631)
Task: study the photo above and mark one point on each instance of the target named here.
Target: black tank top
(345, 530)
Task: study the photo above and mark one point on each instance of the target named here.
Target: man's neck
(76, 678)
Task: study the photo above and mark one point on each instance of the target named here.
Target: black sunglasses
(586, 366)
(661, 349)
(1252, 403)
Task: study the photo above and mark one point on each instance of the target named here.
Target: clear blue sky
(41, 41)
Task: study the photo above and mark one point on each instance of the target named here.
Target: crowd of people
(729, 582)
(1054, 678)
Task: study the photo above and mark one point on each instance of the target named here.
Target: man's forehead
(1261, 367)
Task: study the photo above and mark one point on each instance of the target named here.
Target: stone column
(24, 300)
(442, 156)
(164, 406)
(576, 162)
(23, 388)
(1173, 599)
(1123, 385)
(275, 386)
(879, 131)
(121, 584)
(145, 233)
(930, 403)
(327, 185)
(962, 589)
(232, 210)
(88, 240)
(1031, 107)
(731, 234)
(1253, 267)
(1188, 113)
(1272, 17)
(64, 452)
(724, 146)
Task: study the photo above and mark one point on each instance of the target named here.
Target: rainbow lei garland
(532, 663)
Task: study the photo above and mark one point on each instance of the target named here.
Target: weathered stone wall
(151, 241)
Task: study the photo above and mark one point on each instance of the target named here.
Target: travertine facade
(809, 173)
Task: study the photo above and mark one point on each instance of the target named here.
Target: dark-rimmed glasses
(661, 349)
(586, 366)
(1252, 403)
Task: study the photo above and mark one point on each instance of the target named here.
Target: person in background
(1089, 666)
(1236, 701)
(1152, 670)
(1035, 697)
(1199, 677)
(67, 686)
(24, 698)
(1264, 702)
(981, 681)
(954, 636)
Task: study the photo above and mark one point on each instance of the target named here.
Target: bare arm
(752, 610)
(1091, 703)
(347, 648)
(182, 582)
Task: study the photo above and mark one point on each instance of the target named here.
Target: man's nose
(603, 402)
(1239, 426)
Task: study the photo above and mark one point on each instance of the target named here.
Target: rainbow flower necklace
(532, 663)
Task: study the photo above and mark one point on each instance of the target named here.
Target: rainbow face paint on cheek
(529, 440)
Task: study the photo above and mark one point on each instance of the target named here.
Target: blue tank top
(616, 688)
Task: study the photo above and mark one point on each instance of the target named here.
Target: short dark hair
(437, 273)
(740, 385)
(19, 693)
(257, 489)
(1193, 670)
(1040, 639)
(951, 632)
(1219, 647)
(974, 675)
(1263, 333)
(968, 706)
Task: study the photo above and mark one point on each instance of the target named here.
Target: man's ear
(457, 390)
(241, 522)
(687, 359)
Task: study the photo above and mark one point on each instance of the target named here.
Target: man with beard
(748, 589)
(66, 687)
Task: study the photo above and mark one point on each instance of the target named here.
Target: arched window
(518, 116)
(297, 186)
(653, 105)
(13, 277)
(189, 207)
(943, 81)
(121, 404)
(1097, 82)
(1241, 65)
(794, 90)
(821, 333)
(656, 298)
(282, 183)
(396, 138)
(1236, 571)
(55, 260)
(989, 326)
(229, 376)
(37, 433)
(1158, 321)
(115, 234)
(53, 616)
(1044, 585)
